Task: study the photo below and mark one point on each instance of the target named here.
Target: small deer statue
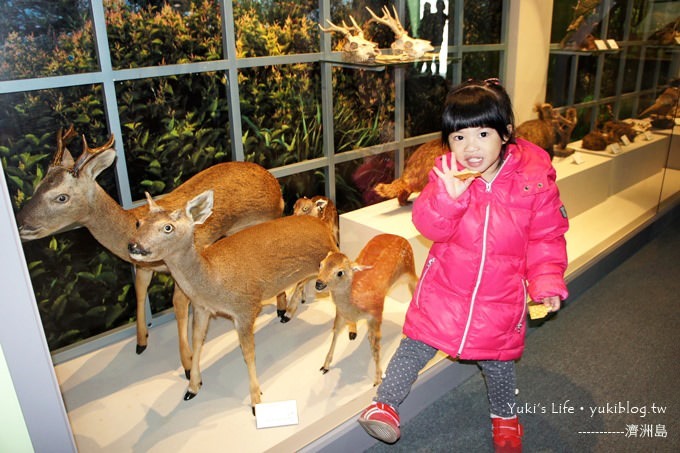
(232, 276)
(321, 207)
(358, 288)
(245, 194)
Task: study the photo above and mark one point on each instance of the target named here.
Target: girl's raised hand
(454, 186)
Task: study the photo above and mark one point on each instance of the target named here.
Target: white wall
(528, 54)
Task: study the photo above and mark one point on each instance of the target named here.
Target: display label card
(614, 148)
(600, 44)
(578, 158)
(625, 140)
(281, 413)
(647, 135)
(612, 44)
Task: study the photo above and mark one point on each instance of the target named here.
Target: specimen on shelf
(358, 288)
(584, 20)
(403, 45)
(551, 130)
(357, 48)
(245, 194)
(233, 276)
(414, 177)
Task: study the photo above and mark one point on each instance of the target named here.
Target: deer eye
(305, 209)
(340, 273)
(62, 198)
(137, 224)
(168, 228)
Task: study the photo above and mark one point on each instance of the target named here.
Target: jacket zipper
(481, 265)
(422, 278)
(524, 309)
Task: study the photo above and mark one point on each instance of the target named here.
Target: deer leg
(337, 325)
(180, 302)
(294, 302)
(352, 326)
(200, 327)
(246, 338)
(142, 280)
(374, 336)
(281, 306)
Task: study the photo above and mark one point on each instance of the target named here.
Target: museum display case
(321, 125)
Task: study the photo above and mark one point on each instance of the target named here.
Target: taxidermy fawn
(245, 194)
(358, 288)
(235, 274)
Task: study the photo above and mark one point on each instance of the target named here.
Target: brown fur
(235, 274)
(359, 288)
(245, 194)
(321, 207)
(415, 173)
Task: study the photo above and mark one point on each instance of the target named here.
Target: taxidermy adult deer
(403, 44)
(245, 194)
(356, 48)
(232, 276)
(358, 288)
(415, 173)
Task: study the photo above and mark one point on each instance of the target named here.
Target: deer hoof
(323, 370)
(284, 319)
(139, 349)
(189, 395)
(280, 313)
(187, 373)
(352, 335)
(253, 408)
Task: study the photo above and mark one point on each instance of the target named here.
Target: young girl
(497, 237)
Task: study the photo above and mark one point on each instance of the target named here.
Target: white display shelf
(119, 401)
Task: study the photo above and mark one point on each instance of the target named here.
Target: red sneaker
(381, 421)
(507, 435)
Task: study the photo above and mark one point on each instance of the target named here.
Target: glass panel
(610, 75)
(483, 21)
(356, 179)
(562, 17)
(46, 39)
(363, 108)
(173, 127)
(275, 27)
(559, 70)
(631, 68)
(163, 33)
(585, 79)
(432, 22)
(80, 288)
(281, 114)
(425, 95)
(481, 65)
(583, 124)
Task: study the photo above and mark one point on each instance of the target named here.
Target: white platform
(118, 401)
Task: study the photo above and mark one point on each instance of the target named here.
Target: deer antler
(389, 20)
(344, 29)
(62, 139)
(88, 153)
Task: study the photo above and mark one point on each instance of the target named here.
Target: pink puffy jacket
(492, 245)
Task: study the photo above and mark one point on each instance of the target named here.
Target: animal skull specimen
(403, 44)
(357, 48)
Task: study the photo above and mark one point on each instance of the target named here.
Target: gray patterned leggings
(412, 355)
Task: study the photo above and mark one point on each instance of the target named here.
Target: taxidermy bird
(584, 20)
(665, 104)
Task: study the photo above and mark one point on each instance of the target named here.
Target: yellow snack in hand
(538, 310)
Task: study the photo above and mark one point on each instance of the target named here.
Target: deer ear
(67, 160)
(98, 163)
(200, 207)
(320, 204)
(153, 207)
(356, 267)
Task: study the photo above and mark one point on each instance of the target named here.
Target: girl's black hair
(479, 104)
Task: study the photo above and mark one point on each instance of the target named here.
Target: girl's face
(478, 149)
